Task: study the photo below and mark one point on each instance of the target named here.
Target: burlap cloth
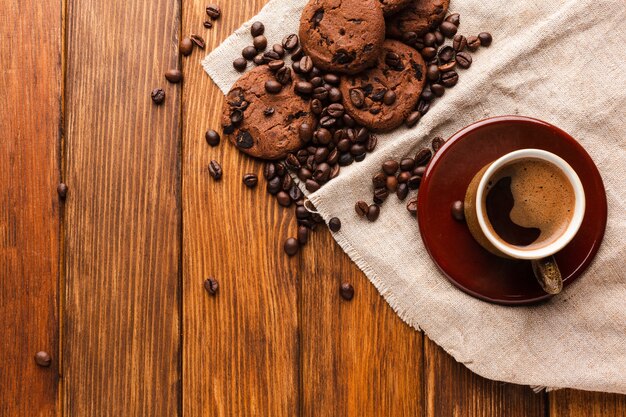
(560, 61)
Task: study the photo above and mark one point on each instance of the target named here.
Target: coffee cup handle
(548, 274)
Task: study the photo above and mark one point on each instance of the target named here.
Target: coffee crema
(529, 203)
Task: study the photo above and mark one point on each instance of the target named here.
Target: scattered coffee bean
(278, 48)
(485, 38)
(291, 246)
(213, 11)
(334, 224)
(212, 137)
(361, 208)
(283, 75)
(250, 180)
(283, 199)
(430, 40)
(423, 106)
(274, 185)
(303, 87)
(269, 172)
(454, 18)
(257, 29)
(413, 118)
(215, 169)
(464, 60)
(412, 206)
(420, 170)
(62, 191)
(459, 43)
(211, 285)
(432, 72)
(457, 211)
(390, 167)
(158, 95)
(332, 79)
(446, 54)
(305, 132)
(402, 191)
(276, 64)
(240, 64)
(260, 42)
(380, 180)
(186, 47)
(373, 212)
(449, 79)
(410, 38)
(380, 195)
(303, 235)
(448, 29)
(407, 164)
(290, 42)
(198, 41)
(427, 95)
(259, 60)
(473, 43)
(437, 143)
(423, 156)
(43, 359)
(346, 291)
(311, 186)
(174, 76)
(249, 52)
(437, 89)
(306, 64)
(297, 53)
(207, 24)
(273, 86)
(439, 38)
(404, 177)
(414, 182)
(371, 143)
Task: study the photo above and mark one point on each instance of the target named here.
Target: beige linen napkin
(560, 61)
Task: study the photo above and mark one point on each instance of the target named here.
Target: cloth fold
(559, 61)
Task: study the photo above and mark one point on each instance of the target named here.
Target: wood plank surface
(240, 355)
(574, 403)
(121, 318)
(30, 118)
(358, 357)
(452, 390)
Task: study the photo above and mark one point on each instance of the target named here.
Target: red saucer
(449, 242)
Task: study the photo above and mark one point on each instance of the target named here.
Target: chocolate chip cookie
(393, 6)
(342, 35)
(261, 124)
(382, 97)
(420, 16)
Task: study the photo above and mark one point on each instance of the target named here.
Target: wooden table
(110, 282)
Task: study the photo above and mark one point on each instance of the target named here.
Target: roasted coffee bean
(390, 167)
(306, 64)
(295, 193)
(250, 180)
(423, 106)
(391, 183)
(334, 95)
(269, 172)
(213, 11)
(304, 174)
(361, 208)
(320, 93)
(473, 43)
(432, 72)
(274, 185)
(404, 177)
(410, 38)
(270, 56)
(278, 48)
(305, 132)
(485, 38)
(212, 137)
(259, 59)
(380, 180)
(437, 143)
(303, 235)
(321, 155)
(316, 107)
(429, 39)
(414, 182)
(419, 171)
(459, 43)
(186, 47)
(332, 79)
(439, 38)
(345, 159)
(373, 212)
(207, 24)
(333, 156)
(448, 66)
(283, 75)
(402, 191)
(317, 81)
(291, 246)
(290, 42)
(437, 89)
(344, 145)
(304, 87)
(292, 162)
(240, 64)
(371, 143)
(297, 53)
(302, 213)
(334, 170)
(429, 52)
(273, 86)
(357, 98)
(422, 157)
(174, 76)
(393, 60)
(311, 186)
(454, 18)
(413, 118)
(362, 135)
(381, 194)
(412, 206)
(446, 54)
(260, 42)
(283, 199)
(335, 110)
(448, 29)
(211, 285)
(198, 41)
(323, 136)
(276, 64)
(328, 122)
(457, 211)
(43, 359)
(158, 96)
(346, 291)
(427, 95)
(215, 169)
(407, 164)
(334, 224)
(464, 60)
(449, 79)
(257, 28)
(360, 157)
(322, 173)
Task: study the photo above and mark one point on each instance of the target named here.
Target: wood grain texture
(573, 403)
(453, 390)
(358, 357)
(240, 354)
(121, 318)
(30, 118)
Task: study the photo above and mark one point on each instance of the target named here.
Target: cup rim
(572, 228)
